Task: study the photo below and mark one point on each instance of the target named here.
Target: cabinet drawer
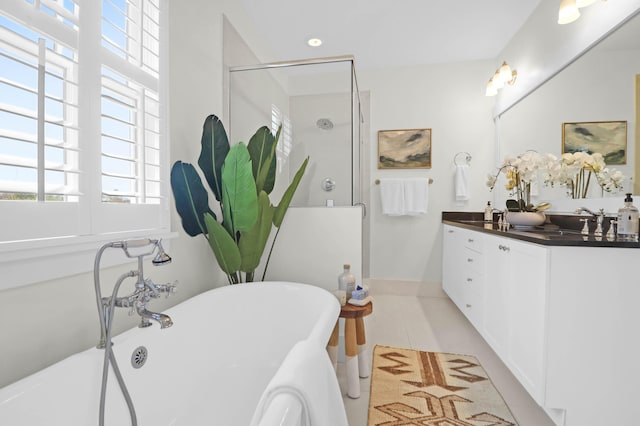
(474, 241)
(471, 307)
(473, 280)
(472, 260)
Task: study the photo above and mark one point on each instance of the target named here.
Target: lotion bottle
(488, 212)
(347, 281)
(628, 221)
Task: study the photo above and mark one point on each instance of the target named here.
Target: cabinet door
(496, 295)
(527, 315)
(451, 256)
(514, 314)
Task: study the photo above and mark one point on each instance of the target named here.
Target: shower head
(162, 258)
(324, 124)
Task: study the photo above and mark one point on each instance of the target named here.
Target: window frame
(41, 255)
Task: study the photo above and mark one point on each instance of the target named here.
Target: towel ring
(467, 158)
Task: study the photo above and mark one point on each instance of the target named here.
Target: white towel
(392, 196)
(306, 374)
(416, 196)
(462, 182)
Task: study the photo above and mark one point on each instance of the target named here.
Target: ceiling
(384, 33)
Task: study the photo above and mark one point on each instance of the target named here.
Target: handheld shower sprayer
(162, 258)
(145, 290)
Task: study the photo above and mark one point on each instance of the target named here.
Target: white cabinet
(463, 270)
(564, 320)
(500, 286)
(514, 321)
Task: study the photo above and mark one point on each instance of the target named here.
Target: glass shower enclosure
(317, 103)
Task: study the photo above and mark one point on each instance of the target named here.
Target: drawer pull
(469, 280)
(469, 260)
(451, 231)
(470, 240)
(468, 305)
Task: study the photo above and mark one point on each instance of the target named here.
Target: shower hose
(109, 357)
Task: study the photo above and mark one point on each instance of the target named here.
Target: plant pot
(525, 218)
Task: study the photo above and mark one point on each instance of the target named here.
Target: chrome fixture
(144, 291)
(324, 124)
(599, 220)
(328, 184)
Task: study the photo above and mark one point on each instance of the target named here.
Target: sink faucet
(599, 219)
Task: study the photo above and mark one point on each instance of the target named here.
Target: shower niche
(318, 105)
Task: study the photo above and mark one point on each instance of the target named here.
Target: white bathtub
(210, 368)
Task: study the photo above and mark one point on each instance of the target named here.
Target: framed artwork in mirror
(404, 149)
(608, 138)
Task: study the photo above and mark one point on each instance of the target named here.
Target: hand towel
(462, 182)
(392, 196)
(307, 375)
(416, 196)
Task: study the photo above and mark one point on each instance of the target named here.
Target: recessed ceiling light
(314, 42)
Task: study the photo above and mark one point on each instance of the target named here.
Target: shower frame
(357, 120)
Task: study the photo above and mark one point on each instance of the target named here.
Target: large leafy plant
(241, 177)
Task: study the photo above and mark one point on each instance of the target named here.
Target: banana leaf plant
(241, 177)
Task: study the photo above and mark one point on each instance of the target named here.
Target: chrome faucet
(144, 291)
(599, 219)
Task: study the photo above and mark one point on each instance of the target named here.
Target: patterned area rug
(410, 387)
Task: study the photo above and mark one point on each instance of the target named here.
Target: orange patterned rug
(411, 387)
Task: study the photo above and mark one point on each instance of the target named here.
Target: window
(82, 138)
(283, 149)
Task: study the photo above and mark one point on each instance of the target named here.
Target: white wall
(314, 243)
(449, 99)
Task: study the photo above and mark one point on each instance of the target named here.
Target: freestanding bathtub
(210, 368)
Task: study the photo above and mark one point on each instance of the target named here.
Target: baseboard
(405, 288)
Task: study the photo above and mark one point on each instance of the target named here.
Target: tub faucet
(599, 219)
(143, 296)
(146, 315)
(145, 289)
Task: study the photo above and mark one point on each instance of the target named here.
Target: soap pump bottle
(628, 221)
(488, 212)
(347, 281)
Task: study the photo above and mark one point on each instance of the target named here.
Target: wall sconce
(569, 10)
(503, 76)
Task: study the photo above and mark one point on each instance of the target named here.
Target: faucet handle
(168, 288)
(152, 287)
(585, 227)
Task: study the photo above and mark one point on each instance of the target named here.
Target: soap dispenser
(488, 212)
(628, 221)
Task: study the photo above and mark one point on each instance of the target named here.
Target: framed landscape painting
(404, 149)
(608, 138)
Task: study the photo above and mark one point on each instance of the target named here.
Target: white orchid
(574, 171)
(520, 172)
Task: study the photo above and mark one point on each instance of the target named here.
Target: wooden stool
(354, 341)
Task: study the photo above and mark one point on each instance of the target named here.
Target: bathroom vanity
(559, 308)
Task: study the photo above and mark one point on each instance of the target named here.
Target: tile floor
(435, 324)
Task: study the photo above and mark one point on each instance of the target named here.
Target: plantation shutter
(39, 152)
(82, 128)
(130, 118)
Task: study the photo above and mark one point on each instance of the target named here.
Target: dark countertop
(559, 230)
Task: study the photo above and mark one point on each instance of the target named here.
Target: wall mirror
(599, 86)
